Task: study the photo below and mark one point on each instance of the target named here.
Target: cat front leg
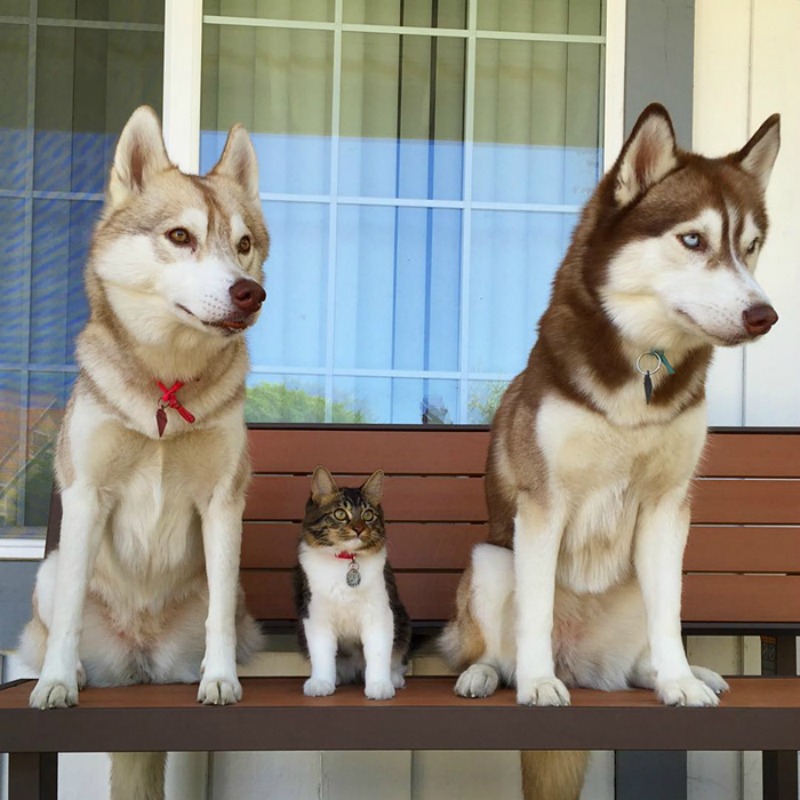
(321, 642)
(378, 636)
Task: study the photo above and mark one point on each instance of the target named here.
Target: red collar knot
(168, 399)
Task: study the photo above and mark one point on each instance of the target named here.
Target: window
(72, 72)
(422, 164)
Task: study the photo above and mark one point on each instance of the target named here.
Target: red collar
(168, 399)
(346, 556)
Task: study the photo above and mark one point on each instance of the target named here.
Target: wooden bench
(742, 577)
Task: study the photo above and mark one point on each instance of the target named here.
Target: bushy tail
(553, 774)
(137, 776)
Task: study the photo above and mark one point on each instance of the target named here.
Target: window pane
(576, 17)
(305, 10)
(13, 109)
(402, 116)
(282, 398)
(13, 281)
(292, 331)
(397, 288)
(88, 82)
(289, 72)
(400, 401)
(521, 154)
(506, 303)
(141, 11)
(421, 13)
(61, 233)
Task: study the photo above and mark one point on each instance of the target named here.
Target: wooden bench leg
(779, 767)
(33, 776)
(654, 774)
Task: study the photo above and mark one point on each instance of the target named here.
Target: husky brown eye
(244, 245)
(753, 247)
(692, 241)
(368, 515)
(340, 514)
(179, 236)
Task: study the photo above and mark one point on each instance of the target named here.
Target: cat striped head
(346, 519)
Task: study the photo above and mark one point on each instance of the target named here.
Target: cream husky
(595, 443)
(152, 454)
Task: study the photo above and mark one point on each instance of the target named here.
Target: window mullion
(183, 45)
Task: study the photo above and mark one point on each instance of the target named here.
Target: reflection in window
(73, 72)
(422, 165)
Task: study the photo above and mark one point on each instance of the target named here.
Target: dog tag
(648, 387)
(353, 575)
(161, 421)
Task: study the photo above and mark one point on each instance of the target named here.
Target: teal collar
(661, 359)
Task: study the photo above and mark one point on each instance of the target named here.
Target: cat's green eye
(340, 514)
(368, 515)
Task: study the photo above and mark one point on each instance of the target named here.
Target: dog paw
(542, 692)
(686, 692)
(379, 690)
(219, 691)
(53, 694)
(479, 680)
(713, 680)
(316, 687)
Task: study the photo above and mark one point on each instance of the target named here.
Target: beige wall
(747, 63)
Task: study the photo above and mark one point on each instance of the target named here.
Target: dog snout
(759, 319)
(247, 295)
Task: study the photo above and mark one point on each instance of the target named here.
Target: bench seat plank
(275, 715)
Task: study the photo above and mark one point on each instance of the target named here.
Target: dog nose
(247, 295)
(759, 319)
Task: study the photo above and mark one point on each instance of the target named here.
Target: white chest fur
(344, 608)
(600, 475)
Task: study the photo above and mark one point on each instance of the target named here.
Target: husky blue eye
(692, 241)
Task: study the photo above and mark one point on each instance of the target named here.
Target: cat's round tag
(353, 575)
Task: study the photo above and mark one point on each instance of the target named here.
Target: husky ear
(647, 156)
(758, 155)
(140, 154)
(373, 487)
(238, 161)
(322, 485)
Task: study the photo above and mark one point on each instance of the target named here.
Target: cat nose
(359, 527)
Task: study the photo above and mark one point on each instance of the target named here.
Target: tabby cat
(352, 623)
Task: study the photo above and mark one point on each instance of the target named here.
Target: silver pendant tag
(353, 575)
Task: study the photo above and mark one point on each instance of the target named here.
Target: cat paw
(81, 677)
(686, 692)
(219, 691)
(479, 680)
(379, 690)
(548, 691)
(713, 680)
(54, 694)
(316, 687)
(399, 679)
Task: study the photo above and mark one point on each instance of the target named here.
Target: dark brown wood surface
(275, 715)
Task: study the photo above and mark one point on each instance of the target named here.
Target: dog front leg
(222, 541)
(661, 539)
(537, 539)
(82, 522)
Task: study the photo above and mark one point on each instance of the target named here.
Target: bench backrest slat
(742, 562)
